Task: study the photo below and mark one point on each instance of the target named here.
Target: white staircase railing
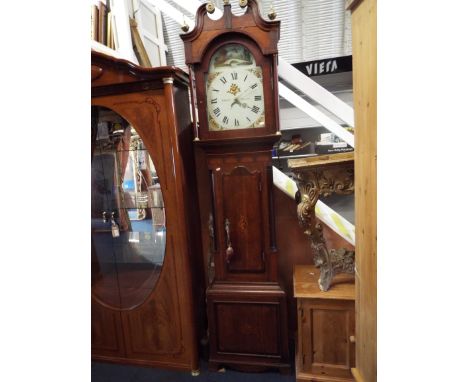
(331, 218)
(318, 93)
(316, 114)
(174, 13)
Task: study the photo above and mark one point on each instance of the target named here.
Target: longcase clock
(233, 70)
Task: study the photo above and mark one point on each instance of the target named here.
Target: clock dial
(234, 90)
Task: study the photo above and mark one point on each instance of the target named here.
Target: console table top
(306, 284)
(321, 160)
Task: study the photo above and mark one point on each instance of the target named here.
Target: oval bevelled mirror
(128, 225)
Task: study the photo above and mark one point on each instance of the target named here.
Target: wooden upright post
(364, 20)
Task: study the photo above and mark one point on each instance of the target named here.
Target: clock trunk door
(240, 223)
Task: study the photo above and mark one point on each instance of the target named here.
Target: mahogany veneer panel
(106, 331)
(248, 325)
(246, 238)
(253, 323)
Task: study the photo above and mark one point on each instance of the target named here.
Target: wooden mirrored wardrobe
(144, 236)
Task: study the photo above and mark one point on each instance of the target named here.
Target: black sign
(327, 66)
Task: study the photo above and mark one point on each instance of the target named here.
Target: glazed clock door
(241, 223)
(234, 89)
(234, 92)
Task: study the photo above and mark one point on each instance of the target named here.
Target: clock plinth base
(247, 325)
(283, 369)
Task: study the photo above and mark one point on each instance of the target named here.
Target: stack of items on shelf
(102, 24)
(293, 147)
(329, 143)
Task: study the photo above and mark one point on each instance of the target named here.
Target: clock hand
(235, 101)
(242, 104)
(244, 93)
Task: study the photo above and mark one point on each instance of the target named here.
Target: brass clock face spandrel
(234, 90)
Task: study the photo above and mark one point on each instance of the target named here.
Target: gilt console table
(318, 176)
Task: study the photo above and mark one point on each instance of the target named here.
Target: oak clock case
(143, 236)
(232, 62)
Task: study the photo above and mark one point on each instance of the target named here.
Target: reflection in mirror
(128, 224)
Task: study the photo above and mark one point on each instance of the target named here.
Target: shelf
(101, 48)
(300, 128)
(285, 129)
(294, 156)
(324, 160)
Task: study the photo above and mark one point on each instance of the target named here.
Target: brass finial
(210, 8)
(243, 3)
(226, 2)
(185, 27)
(272, 13)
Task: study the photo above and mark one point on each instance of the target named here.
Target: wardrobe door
(106, 331)
(140, 246)
(128, 229)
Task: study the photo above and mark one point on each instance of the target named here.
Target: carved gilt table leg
(323, 179)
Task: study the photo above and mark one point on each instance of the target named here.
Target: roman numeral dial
(234, 97)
